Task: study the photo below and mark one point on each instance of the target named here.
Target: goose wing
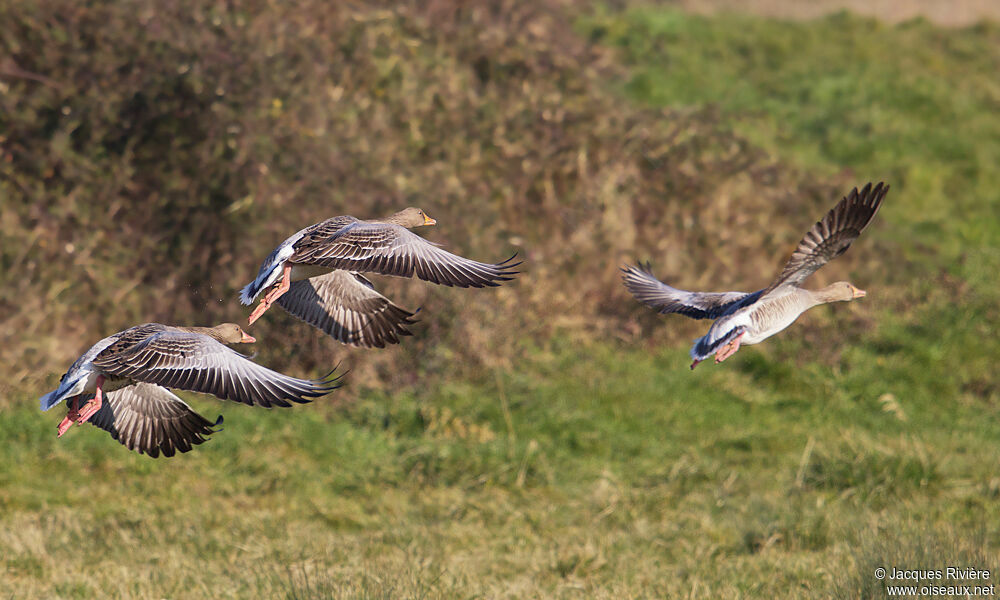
(372, 247)
(192, 361)
(832, 235)
(346, 307)
(659, 296)
(150, 419)
(310, 237)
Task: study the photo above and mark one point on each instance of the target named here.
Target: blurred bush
(151, 154)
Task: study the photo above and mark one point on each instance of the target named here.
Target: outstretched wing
(347, 308)
(659, 296)
(833, 235)
(150, 419)
(196, 362)
(387, 249)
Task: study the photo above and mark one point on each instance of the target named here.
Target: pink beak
(859, 293)
(247, 338)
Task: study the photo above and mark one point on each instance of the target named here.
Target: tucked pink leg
(71, 416)
(695, 364)
(286, 282)
(729, 349)
(94, 404)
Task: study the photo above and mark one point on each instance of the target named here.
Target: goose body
(129, 372)
(750, 318)
(81, 378)
(317, 275)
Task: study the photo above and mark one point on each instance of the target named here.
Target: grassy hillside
(912, 104)
(842, 92)
(568, 478)
(541, 440)
(152, 165)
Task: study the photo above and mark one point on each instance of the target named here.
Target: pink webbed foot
(728, 350)
(71, 417)
(90, 409)
(261, 309)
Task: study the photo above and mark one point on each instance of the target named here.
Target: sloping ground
(954, 13)
(153, 157)
(569, 465)
(912, 104)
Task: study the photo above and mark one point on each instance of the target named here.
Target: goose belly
(110, 383)
(763, 328)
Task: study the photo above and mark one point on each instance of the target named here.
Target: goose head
(411, 217)
(229, 333)
(841, 291)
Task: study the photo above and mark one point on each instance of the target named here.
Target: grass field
(867, 435)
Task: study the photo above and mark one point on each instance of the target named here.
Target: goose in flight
(749, 318)
(129, 372)
(317, 275)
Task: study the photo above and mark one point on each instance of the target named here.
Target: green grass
(613, 472)
(913, 104)
(866, 435)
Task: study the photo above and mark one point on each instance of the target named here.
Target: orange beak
(859, 293)
(428, 220)
(247, 338)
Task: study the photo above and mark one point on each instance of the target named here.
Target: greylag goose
(749, 318)
(130, 371)
(317, 275)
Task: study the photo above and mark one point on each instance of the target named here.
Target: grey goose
(317, 275)
(748, 318)
(128, 374)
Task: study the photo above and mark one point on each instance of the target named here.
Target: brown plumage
(346, 306)
(748, 318)
(128, 373)
(149, 419)
(195, 359)
(832, 235)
